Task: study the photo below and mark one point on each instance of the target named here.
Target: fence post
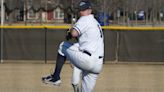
(117, 46)
(2, 23)
(45, 40)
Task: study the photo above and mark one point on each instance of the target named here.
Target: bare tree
(128, 8)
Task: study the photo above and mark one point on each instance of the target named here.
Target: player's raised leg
(55, 77)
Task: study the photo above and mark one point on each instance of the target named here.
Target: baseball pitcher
(87, 54)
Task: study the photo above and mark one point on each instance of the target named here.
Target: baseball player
(87, 54)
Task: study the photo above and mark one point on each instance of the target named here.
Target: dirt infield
(26, 77)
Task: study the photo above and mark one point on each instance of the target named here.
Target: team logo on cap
(82, 3)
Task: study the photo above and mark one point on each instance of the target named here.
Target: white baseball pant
(90, 65)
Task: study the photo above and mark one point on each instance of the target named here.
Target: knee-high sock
(59, 64)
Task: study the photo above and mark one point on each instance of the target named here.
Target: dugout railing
(122, 43)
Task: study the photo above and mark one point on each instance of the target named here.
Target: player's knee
(62, 47)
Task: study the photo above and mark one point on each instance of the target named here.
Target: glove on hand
(68, 35)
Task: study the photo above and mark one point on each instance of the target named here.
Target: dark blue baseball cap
(84, 4)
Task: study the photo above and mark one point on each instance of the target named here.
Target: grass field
(125, 77)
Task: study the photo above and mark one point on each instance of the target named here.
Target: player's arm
(71, 33)
(74, 32)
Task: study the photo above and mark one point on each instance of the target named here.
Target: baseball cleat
(56, 82)
(47, 78)
(50, 80)
(53, 82)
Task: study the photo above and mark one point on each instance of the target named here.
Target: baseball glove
(68, 35)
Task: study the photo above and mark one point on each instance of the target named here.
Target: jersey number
(101, 33)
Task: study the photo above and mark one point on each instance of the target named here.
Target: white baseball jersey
(87, 54)
(90, 35)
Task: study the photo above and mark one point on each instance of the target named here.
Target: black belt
(88, 53)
